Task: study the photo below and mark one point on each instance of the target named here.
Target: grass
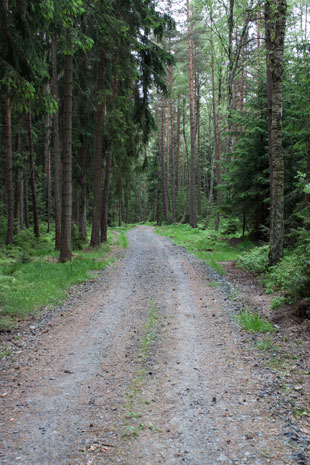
(252, 322)
(209, 245)
(135, 400)
(266, 344)
(32, 278)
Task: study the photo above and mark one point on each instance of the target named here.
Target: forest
(194, 114)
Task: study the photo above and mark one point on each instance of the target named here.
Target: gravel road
(146, 368)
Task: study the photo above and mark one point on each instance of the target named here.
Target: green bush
(277, 302)
(256, 260)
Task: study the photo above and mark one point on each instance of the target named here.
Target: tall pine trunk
(198, 153)
(105, 196)
(172, 148)
(9, 171)
(178, 150)
(215, 154)
(162, 154)
(47, 170)
(32, 177)
(66, 211)
(83, 197)
(98, 168)
(279, 8)
(56, 148)
(192, 194)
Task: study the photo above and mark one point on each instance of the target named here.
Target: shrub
(256, 260)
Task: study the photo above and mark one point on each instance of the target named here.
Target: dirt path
(149, 368)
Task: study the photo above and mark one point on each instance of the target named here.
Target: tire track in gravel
(197, 397)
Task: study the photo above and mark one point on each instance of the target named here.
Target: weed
(5, 353)
(277, 302)
(301, 412)
(149, 335)
(213, 284)
(253, 323)
(266, 344)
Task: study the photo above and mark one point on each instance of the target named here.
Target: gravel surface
(148, 367)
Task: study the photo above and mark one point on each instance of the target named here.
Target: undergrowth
(31, 276)
(209, 245)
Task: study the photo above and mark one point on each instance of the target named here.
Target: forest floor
(147, 365)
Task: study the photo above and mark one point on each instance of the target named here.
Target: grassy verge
(32, 278)
(209, 245)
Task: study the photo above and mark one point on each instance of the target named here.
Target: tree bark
(56, 148)
(26, 210)
(192, 194)
(98, 168)
(172, 148)
(162, 154)
(198, 153)
(278, 24)
(66, 211)
(268, 84)
(178, 151)
(32, 178)
(9, 171)
(215, 154)
(47, 169)
(83, 201)
(105, 196)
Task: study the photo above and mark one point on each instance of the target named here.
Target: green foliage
(256, 260)
(277, 302)
(266, 344)
(31, 277)
(209, 245)
(252, 322)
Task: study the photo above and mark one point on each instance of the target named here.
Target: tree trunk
(83, 201)
(258, 45)
(162, 154)
(218, 177)
(105, 196)
(32, 178)
(56, 148)
(26, 211)
(172, 149)
(9, 171)
(127, 203)
(120, 208)
(279, 8)
(20, 199)
(198, 154)
(215, 154)
(192, 196)
(66, 211)
(178, 150)
(47, 168)
(98, 168)
(230, 70)
(268, 84)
